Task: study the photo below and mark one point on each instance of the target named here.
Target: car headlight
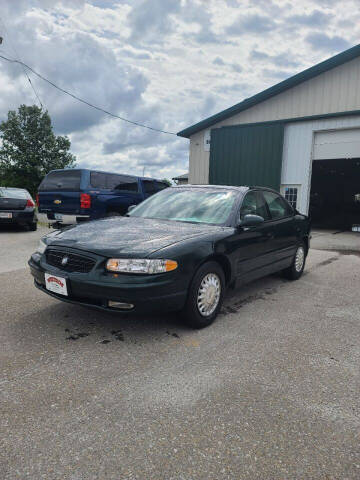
(41, 247)
(140, 265)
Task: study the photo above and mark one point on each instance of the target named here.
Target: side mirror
(131, 208)
(251, 221)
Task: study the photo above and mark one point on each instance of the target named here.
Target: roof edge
(293, 81)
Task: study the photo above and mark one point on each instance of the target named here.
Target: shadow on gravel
(65, 323)
(12, 228)
(60, 322)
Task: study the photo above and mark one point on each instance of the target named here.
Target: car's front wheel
(205, 296)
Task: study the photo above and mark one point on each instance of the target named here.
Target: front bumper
(18, 216)
(148, 293)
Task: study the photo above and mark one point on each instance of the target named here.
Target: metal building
(301, 136)
(181, 179)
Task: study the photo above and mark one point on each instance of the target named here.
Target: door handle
(269, 236)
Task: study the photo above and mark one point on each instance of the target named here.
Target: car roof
(102, 171)
(236, 188)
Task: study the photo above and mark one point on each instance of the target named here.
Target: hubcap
(299, 259)
(209, 294)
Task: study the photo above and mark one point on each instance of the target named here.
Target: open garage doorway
(335, 179)
(335, 193)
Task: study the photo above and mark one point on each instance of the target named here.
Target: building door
(335, 180)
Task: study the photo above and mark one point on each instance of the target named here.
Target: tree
(166, 180)
(30, 149)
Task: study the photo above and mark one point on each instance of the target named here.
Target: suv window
(62, 180)
(254, 204)
(98, 180)
(278, 207)
(153, 186)
(122, 182)
(112, 181)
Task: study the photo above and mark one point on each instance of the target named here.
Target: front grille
(74, 263)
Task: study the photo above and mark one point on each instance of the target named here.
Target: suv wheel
(33, 226)
(205, 296)
(113, 214)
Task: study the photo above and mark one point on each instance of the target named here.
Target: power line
(138, 124)
(18, 56)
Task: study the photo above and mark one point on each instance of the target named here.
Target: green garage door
(247, 155)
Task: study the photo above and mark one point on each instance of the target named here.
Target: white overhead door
(337, 144)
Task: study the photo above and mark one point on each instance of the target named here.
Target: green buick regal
(179, 250)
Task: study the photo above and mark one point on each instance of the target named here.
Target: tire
(210, 277)
(298, 264)
(33, 227)
(113, 214)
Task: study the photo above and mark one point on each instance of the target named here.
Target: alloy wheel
(299, 259)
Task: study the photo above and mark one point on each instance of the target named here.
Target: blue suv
(91, 194)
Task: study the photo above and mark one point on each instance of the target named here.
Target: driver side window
(254, 204)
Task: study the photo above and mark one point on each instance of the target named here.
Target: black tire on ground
(33, 226)
(298, 264)
(113, 214)
(191, 313)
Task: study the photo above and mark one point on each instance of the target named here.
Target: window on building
(291, 195)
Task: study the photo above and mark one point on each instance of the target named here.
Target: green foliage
(166, 180)
(29, 148)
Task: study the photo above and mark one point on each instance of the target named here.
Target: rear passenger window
(122, 182)
(110, 181)
(277, 205)
(98, 180)
(153, 186)
(254, 204)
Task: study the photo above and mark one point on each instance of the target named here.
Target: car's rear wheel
(205, 296)
(298, 264)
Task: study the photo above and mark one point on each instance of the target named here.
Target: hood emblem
(57, 202)
(64, 261)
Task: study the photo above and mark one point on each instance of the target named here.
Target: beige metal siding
(334, 91)
(199, 160)
(337, 144)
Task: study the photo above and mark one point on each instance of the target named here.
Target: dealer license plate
(56, 284)
(356, 228)
(5, 215)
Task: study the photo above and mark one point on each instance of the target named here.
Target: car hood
(128, 236)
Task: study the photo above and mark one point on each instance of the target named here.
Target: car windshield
(13, 193)
(188, 205)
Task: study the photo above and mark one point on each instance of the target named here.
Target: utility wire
(138, 124)
(18, 56)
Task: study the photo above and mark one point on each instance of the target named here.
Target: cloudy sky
(165, 63)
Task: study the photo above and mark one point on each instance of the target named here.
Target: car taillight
(30, 203)
(85, 200)
(37, 200)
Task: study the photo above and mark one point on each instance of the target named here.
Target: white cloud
(164, 63)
